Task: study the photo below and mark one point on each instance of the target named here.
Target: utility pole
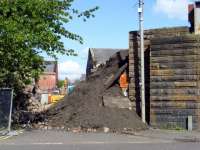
(142, 74)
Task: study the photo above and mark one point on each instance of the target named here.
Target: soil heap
(84, 107)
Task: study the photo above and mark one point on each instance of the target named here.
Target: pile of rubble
(27, 108)
(84, 110)
(35, 106)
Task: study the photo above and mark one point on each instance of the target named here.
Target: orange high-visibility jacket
(123, 82)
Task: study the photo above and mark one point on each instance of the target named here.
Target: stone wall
(175, 81)
(134, 63)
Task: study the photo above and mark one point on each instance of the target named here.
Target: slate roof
(101, 55)
(50, 66)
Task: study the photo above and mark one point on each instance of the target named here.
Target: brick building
(48, 80)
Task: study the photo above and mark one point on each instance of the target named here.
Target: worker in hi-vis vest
(123, 82)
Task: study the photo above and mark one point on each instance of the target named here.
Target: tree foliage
(60, 83)
(29, 27)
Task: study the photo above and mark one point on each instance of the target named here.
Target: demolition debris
(84, 109)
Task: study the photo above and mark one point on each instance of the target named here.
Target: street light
(141, 23)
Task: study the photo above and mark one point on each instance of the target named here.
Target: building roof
(101, 55)
(50, 66)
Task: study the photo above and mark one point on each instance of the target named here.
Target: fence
(6, 96)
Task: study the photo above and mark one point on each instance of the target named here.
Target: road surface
(59, 140)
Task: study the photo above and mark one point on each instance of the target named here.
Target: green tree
(29, 27)
(60, 83)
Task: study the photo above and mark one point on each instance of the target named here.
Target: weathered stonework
(172, 72)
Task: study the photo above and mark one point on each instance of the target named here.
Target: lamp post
(141, 23)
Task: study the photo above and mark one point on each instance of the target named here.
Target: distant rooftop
(101, 55)
(50, 66)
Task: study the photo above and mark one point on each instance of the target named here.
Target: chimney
(191, 16)
(194, 17)
(197, 18)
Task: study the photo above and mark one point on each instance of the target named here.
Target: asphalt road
(57, 140)
(124, 146)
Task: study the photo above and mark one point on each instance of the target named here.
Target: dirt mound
(115, 91)
(83, 108)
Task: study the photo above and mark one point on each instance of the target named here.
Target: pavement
(6, 135)
(60, 140)
(171, 135)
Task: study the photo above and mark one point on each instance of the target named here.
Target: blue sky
(110, 27)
